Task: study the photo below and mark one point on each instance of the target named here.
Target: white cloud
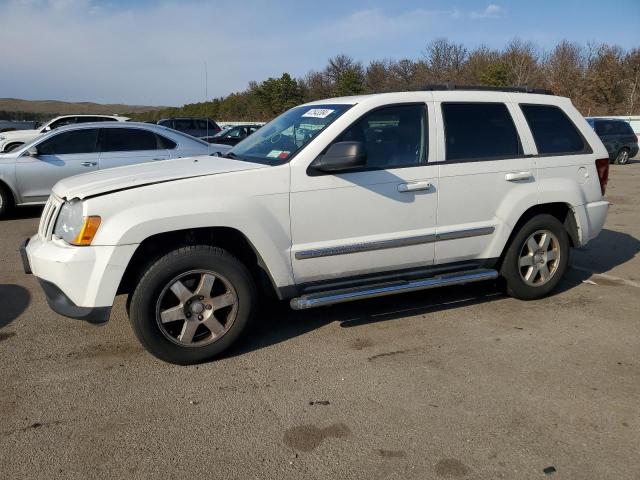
(492, 10)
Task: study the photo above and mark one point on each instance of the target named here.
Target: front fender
(263, 219)
(8, 178)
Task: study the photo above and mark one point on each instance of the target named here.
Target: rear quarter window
(166, 143)
(553, 131)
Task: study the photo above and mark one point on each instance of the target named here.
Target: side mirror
(32, 152)
(342, 156)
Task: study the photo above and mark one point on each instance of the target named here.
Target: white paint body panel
(282, 210)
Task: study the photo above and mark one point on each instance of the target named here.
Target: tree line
(601, 79)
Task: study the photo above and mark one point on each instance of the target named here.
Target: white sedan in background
(28, 173)
(16, 138)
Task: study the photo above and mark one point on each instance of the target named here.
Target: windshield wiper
(231, 155)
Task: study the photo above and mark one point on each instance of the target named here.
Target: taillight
(602, 166)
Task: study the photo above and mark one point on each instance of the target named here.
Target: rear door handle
(516, 176)
(89, 164)
(413, 186)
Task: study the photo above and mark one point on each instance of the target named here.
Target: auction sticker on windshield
(318, 113)
(278, 154)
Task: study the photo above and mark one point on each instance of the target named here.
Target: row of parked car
(33, 160)
(205, 128)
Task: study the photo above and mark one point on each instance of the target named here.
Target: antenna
(206, 96)
(206, 82)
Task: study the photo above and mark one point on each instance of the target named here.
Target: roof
(114, 124)
(352, 100)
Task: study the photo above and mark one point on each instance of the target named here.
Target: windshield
(281, 138)
(224, 131)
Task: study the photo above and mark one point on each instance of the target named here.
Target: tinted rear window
(128, 139)
(612, 127)
(166, 143)
(552, 130)
(479, 131)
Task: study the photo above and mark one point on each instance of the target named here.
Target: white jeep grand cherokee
(335, 200)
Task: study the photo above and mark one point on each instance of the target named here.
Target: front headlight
(72, 227)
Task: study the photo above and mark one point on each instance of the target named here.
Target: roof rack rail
(523, 89)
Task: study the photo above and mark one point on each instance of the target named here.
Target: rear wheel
(192, 304)
(623, 157)
(6, 201)
(536, 258)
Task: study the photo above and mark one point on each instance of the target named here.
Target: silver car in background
(28, 173)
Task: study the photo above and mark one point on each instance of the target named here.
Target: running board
(331, 297)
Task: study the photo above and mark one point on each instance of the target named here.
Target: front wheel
(192, 304)
(536, 258)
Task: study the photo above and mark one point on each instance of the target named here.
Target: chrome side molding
(393, 243)
(331, 297)
(365, 247)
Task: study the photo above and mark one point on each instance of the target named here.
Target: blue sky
(154, 52)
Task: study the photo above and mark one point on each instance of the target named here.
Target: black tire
(514, 274)
(12, 146)
(622, 158)
(6, 201)
(145, 303)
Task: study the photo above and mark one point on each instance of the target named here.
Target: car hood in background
(19, 134)
(122, 178)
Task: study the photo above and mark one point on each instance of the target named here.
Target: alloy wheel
(539, 258)
(623, 157)
(196, 308)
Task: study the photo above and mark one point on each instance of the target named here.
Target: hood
(122, 178)
(19, 134)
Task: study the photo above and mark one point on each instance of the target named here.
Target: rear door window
(479, 131)
(66, 143)
(604, 127)
(129, 139)
(203, 125)
(553, 131)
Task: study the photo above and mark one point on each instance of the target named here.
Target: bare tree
(605, 82)
(377, 76)
(478, 65)
(340, 64)
(564, 69)
(445, 60)
(632, 64)
(316, 85)
(521, 59)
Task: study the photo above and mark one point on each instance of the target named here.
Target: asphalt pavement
(454, 383)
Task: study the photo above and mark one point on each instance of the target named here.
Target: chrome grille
(49, 216)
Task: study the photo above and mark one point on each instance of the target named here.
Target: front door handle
(413, 186)
(516, 176)
(89, 164)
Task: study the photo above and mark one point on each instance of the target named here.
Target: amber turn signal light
(88, 231)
